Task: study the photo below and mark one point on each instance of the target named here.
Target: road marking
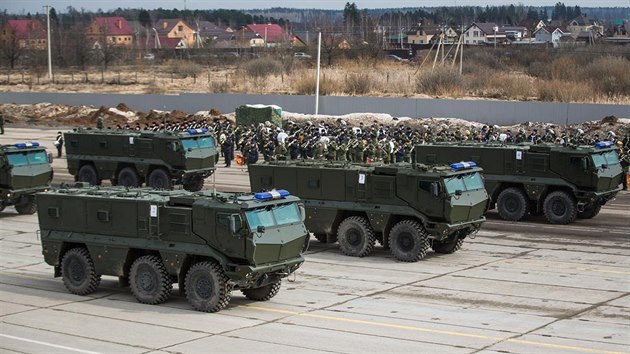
(429, 330)
(49, 344)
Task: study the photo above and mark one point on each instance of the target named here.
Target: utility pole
(319, 52)
(47, 7)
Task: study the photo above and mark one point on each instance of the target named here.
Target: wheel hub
(77, 273)
(511, 205)
(558, 208)
(203, 288)
(405, 242)
(147, 281)
(354, 237)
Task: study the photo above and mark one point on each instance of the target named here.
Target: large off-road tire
(560, 208)
(207, 287)
(78, 272)
(159, 179)
(408, 241)
(27, 207)
(263, 293)
(356, 237)
(512, 204)
(194, 184)
(448, 247)
(149, 281)
(589, 212)
(87, 173)
(128, 177)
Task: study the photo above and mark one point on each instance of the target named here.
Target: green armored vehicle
(210, 243)
(405, 207)
(130, 158)
(560, 182)
(24, 170)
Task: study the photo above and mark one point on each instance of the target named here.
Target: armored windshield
(465, 182)
(272, 216)
(27, 158)
(198, 143)
(605, 158)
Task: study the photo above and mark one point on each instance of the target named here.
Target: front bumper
(244, 276)
(442, 231)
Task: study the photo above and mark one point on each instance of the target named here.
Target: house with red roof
(26, 34)
(270, 35)
(114, 31)
(175, 28)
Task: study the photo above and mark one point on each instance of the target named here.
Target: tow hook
(580, 207)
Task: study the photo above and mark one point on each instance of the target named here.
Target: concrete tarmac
(517, 287)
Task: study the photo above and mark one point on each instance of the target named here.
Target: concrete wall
(492, 112)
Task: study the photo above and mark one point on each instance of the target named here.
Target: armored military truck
(130, 158)
(560, 182)
(24, 170)
(405, 207)
(210, 243)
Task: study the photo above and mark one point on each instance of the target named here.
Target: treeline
(71, 17)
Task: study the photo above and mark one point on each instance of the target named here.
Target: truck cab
(24, 170)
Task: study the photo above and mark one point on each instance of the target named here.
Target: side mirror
(302, 211)
(173, 146)
(50, 157)
(235, 223)
(435, 189)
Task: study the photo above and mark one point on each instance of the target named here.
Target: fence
(148, 80)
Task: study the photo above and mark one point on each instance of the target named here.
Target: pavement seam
(79, 336)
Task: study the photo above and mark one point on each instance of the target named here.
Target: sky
(33, 6)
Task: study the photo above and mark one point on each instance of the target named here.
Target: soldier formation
(375, 142)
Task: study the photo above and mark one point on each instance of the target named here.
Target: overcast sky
(33, 6)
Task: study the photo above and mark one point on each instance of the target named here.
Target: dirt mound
(123, 107)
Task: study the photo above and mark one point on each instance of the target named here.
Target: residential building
(270, 35)
(551, 34)
(176, 28)
(430, 33)
(211, 34)
(483, 33)
(584, 23)
(26, 34)
(114, 31)
(515, 33)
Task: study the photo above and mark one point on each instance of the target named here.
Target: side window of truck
(223, 220)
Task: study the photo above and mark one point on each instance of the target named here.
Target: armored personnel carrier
(24, 170)
(130, 158)
(560, 182)
(209, 243)
(405, 207)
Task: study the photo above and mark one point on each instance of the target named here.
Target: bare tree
(11, 50)
(80, 45)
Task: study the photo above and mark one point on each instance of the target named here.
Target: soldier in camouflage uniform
(319, 151)
(282, 153)
(359, 152)
(342, 151)
(331, 149)
(408, 147)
